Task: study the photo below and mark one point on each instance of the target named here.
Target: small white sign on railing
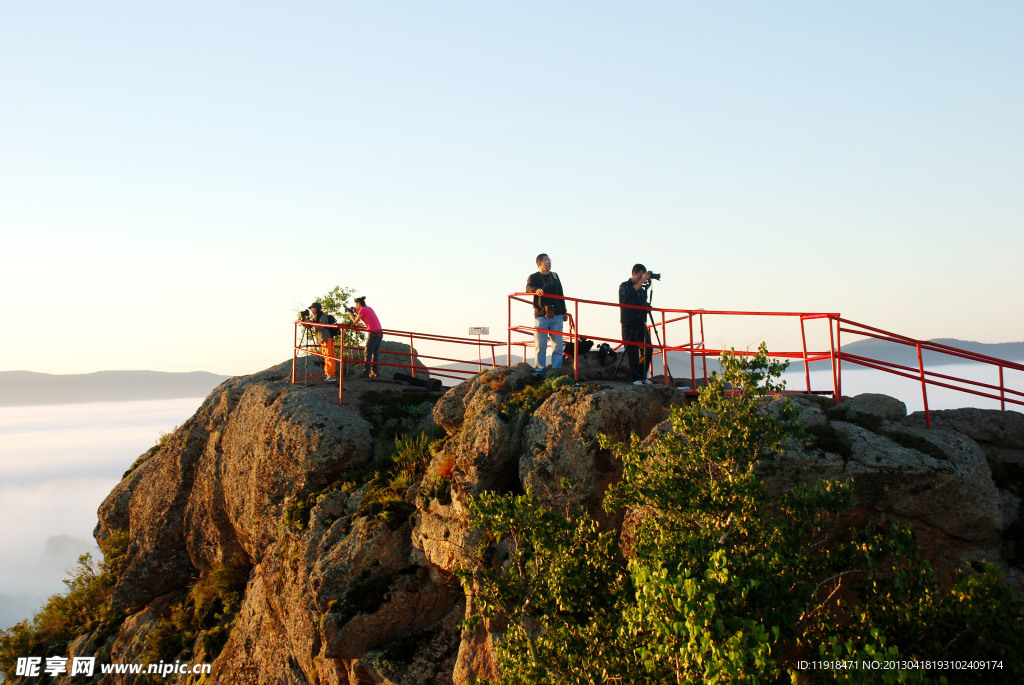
(480, 330)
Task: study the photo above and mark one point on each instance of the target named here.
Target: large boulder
(216, 490)
(562, 439)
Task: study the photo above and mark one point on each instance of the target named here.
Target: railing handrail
(412, 336)
(837, 325)
(696, 347)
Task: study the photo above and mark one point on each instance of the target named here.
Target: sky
(178, 179)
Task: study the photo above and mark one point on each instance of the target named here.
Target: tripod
(308, 339)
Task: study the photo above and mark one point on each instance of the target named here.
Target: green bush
(84, 608)
(198, 625)
(716, 581)
(395, 471)
(526, 399)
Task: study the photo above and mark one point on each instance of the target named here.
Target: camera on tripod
(304, 315)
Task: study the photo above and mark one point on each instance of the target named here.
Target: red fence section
(686, 331)
(308, 346)
(692, 339)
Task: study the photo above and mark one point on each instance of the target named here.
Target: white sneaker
(648, 381)
(330, 379)
(638, 382)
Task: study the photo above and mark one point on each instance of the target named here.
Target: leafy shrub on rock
(713, 580)
(85, 608)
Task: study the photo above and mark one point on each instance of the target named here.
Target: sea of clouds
(57, 464)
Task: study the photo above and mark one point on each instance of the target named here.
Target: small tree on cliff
(713, 580)
(335, 303)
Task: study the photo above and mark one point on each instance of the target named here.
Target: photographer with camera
(365, 316)
(634, 322)
(315, 314)
(549, 313)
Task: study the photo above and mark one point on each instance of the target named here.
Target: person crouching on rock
(365, 316)
(326, 339)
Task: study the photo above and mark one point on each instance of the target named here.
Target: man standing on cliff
(364, 316)
(634, 323)
(549, 313)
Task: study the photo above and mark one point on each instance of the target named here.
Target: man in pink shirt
(366, 317)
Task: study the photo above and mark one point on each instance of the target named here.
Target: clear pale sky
(177, 179)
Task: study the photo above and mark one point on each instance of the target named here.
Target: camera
(304, 315)
(654, 276)
(351, 310)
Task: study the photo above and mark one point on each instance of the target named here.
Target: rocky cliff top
(341, 543)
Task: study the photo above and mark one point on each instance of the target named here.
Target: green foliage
(199, 624)
(392, 414)
(334, 302)
(561, 592)
(526, 399)
(396, 470)
(716, 581)
(84, 608)
(399, 470)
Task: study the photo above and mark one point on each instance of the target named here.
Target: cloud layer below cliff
(57, 463)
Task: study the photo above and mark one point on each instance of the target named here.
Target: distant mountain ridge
(907, 355)
(19, 388)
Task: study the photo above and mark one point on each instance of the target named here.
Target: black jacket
(630, 295)
(551, 285)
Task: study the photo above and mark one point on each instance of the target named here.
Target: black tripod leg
(619, 365)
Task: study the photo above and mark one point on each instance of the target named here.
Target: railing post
(693, 366)
(664, 347)
(803, 340)
(703, 355)
(1002, 390)
(838, 356)
(295, 350)
(412, 357)
(341, 367)
(576, 340)
(832, 358)
(508, 332)
(924, 387)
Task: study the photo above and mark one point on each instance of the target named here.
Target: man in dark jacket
(634, 323)
(549, 313)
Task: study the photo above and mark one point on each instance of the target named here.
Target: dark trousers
(371, 355)
(637, 332)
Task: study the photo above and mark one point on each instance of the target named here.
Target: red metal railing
(694, 344)
(313, 349)
(999, 392)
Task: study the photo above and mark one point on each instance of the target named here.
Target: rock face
(261, 479)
